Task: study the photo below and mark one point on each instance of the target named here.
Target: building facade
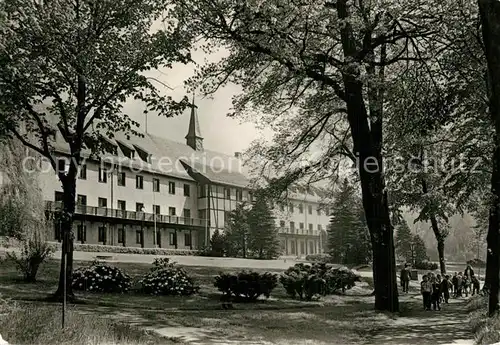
(154, 192)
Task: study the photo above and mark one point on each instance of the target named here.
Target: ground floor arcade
(300, 245)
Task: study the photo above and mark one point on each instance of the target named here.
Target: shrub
(79, 247)
(99, 277)
(207, 251)
(311, 281)
(426, 265)
(476, 262)
(246, 285)
(486, 329)
(324, 258)
(166, 278)
(217, 244)
(477, 302)
(161, 263)
(34, 252)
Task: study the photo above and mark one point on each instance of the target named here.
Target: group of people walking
(436, 289)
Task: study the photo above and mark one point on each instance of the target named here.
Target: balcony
(298, 231)
(128, 215)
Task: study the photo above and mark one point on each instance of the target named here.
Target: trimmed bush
(426, 265)
(127, 250)
(166, 278)
(99, 277)
(246, 285)
(323, 258)
(312, 281)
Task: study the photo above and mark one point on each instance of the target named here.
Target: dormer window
(127, 150)
(109, 146)
(52, 134)
(145, 156)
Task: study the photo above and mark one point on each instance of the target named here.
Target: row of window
(301, 209)
(301, 226)
(81, 200)
(81, 236)
(226, 191)
(139, 182)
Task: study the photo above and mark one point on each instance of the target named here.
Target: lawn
(200, 319)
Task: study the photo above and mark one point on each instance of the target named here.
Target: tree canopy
(69, 66)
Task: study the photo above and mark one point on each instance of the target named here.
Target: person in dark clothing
(426, 290)
(435, 294)
(460, 282)
(454, 282)
(438, 282)
(469, 272)
(445, 288)
(405, 278)
(476, 285)
(466, 286)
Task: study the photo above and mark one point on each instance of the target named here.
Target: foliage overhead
(437, 131)
(290, 60)
(70, 66)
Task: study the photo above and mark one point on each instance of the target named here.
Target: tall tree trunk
(490, 19)
(442, 263)
(440, 235)
(366, 133)
(375, 201)
(489, 271)
(493, 254)
(69, 189)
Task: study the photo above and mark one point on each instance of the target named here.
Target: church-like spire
(193, 137)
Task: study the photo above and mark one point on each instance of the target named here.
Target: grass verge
(41, 325)
(486, 329)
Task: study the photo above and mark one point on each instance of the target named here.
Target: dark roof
(166, 158)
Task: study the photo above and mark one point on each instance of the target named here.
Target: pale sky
(220, 133)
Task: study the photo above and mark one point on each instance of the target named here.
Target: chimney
(237, 155)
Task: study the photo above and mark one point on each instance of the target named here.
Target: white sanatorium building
(157, 192)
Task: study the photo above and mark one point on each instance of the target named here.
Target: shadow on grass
(337, 319)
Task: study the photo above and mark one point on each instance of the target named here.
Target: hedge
(426, 265)
(127, 250)
(311, 281)
(321, 258)
(246, 285)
